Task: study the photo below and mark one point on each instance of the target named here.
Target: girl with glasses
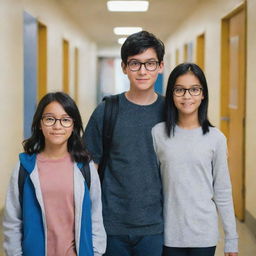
(192, 156)
(57, 212)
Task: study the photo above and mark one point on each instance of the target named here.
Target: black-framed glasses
(193, 91)
(66, 122)
(135, 65)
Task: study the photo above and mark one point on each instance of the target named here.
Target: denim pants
(127, 245)
(175, 251)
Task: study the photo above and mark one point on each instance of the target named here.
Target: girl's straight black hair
(36, 143)
(170, 111)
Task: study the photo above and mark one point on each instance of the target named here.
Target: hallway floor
(247, 242)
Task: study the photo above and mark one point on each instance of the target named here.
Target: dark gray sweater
(131, 190)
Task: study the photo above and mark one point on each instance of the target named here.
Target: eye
(195, 89)
(178, 90)
(134, 63)
(151, 63)
(66, 119)
(49, 118)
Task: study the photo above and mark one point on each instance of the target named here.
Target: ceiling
(162, 18)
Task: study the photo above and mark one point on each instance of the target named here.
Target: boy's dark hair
(36, 143)
(140, 42)
(170, 110)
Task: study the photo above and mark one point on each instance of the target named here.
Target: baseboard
(250, 222)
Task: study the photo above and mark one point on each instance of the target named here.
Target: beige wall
(250, 146)
(60, 25)
(207, 19)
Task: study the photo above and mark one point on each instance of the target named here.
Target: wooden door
(42, 61)
(233, 103)
(65, 65)
(200, 49)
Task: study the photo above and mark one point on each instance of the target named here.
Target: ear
(124, 68)
(161, 67)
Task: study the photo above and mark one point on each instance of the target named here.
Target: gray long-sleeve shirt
(196, 186)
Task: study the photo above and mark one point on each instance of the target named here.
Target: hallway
(62, 45)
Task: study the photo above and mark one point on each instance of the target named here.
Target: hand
(231, 254)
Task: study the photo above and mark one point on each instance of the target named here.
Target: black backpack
(109, 121)
(85, 170)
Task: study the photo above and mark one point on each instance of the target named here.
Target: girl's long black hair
(170, 110)
(36, 143)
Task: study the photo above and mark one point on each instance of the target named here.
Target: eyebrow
(193, 85)
(151, 59)
(52, 114)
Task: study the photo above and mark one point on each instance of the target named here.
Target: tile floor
(247, 242)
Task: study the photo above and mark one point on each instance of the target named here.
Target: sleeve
(223, 195)
(92, 136)
(98, 231)
(153, 133)
(12, 221)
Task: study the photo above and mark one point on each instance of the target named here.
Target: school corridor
(74, 46)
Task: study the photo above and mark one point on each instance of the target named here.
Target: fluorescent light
(127, 6)
(126, 30)
(121, 40)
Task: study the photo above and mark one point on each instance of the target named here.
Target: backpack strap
(21, 181)
(109, 121)
(85, 170)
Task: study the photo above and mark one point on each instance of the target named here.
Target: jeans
(175, 251)
(127, 245)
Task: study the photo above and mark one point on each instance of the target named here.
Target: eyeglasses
(66, 122)
(193, 91)
(135, 65)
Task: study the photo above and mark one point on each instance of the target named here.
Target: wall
(60, 25)
(250, 147)
(207, 19)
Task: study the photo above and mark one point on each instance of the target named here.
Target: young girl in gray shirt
(193, 159)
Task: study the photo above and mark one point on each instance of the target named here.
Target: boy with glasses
(131, 188)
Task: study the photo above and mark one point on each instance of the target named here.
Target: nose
(187, 94)
(57, 124)
(143, 69)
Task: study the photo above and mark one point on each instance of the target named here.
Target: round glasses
(65, 122)
(193, 91)
(135, 65)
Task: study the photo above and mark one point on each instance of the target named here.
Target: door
(42, 61)
(65, 50)
(233, 102)
(30, 71)
(200, 49)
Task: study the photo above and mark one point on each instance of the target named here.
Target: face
(56, 134)
(187, 104)
(143, 79)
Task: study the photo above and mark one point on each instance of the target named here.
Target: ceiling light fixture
(121, 40)
(126, 30)
(127, 6)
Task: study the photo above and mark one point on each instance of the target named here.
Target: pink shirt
(56, 180)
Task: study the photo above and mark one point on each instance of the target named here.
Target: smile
(186, 104)
(142, 79)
